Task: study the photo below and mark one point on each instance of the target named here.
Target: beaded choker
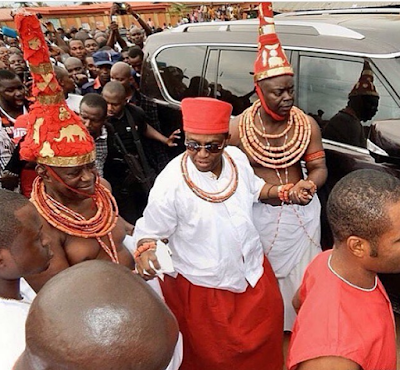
(73, 223)
(275, 157)
(217, 197)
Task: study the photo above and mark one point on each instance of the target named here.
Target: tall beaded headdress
(55, 134)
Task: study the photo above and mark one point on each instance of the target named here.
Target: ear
(42, 172)
(359, 247)
(4, 252)
(228, 137)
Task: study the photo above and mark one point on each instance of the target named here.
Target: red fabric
(36, 53)
(206, 116)
(27, 177)
(20, 127)
(228, 331)
(336, 319)
(271, 59)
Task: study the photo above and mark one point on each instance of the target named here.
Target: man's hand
(114, 27)
(80, 79)
(303, 192)
(171, 139)
(145, 253)
(129, 10)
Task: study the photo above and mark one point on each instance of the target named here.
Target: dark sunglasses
(212, 148)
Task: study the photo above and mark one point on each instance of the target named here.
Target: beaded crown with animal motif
(55, 134)
(271, 59)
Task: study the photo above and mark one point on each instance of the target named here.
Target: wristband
(144, 248)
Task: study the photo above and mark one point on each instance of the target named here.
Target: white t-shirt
(74, 101)
(13, 315)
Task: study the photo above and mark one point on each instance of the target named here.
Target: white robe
(214, 245)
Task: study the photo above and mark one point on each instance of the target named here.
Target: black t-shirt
(124, 130)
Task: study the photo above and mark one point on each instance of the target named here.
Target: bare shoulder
(329, 363)
(105, 183)
(234, 131)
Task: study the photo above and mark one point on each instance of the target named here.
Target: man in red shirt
(345, 319)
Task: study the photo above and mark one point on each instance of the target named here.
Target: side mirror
(384, 141)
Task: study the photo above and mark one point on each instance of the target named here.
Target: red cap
(271, 59)
(206, 116)
(55, 135)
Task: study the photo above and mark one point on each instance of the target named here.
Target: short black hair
(115, 87)
(10, 202)
(358, 205)
(6, 74)
(94, 100)
(135, 51)
(90, 39)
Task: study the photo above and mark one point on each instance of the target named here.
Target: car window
(387, 107)
(180, 68)
(230, 76)
(324, 84)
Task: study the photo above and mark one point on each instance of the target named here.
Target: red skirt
(228, 331)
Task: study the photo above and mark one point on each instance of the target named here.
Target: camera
(121, 9)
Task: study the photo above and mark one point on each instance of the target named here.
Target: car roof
(373, 34)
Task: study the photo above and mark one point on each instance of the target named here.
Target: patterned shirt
(6, 148)
(101, 151)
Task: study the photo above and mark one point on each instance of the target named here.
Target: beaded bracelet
(143, 248)
(283, 192)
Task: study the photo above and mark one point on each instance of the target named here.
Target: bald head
(114, 88)
(111, 319)
(121, 72)
(122, 69)
(74, 66)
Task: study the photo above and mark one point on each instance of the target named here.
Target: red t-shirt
(336, 319)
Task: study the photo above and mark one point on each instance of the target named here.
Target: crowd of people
(236, 215)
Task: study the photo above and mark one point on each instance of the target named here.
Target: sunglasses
(192, 146)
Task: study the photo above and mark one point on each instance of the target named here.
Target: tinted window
(324, 84)
(230, 75)
(180, 68)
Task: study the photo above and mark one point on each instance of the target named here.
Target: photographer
(125, 8)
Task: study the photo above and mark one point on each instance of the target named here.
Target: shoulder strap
(138, 143)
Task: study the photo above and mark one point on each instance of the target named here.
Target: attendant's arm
(152, 133)
(329, 363)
